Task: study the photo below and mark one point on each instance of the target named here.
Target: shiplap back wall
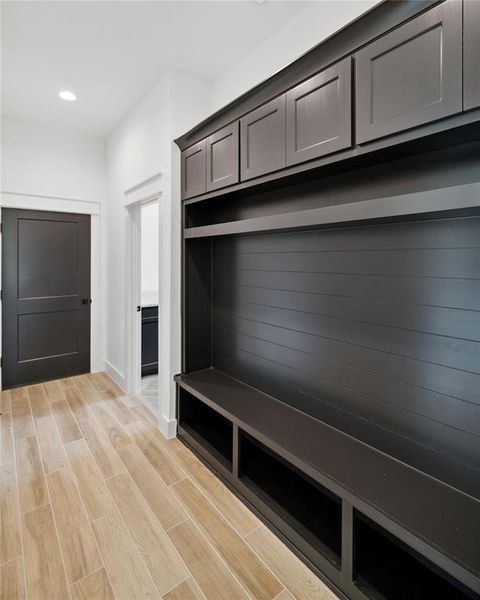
(374, 329)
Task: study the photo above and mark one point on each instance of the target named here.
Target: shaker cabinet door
(222, 157)
(471, 54)
(194, 171)
(319, 114)
(412, 75)
(262, 139)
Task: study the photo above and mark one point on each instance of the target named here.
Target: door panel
(46, 295)
(319, 114)
(412, 75)
(262, 139)
(471, 54)
(222, 157)
(194, 171)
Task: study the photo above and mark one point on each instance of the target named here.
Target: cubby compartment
(310, 509)
(388, 569)
(207, 426)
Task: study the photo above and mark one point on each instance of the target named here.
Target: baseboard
(116, 375)
(168, 427)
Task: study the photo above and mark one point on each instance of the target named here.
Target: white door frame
(86, 207)
(134, 293)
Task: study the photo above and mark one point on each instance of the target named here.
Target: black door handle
(86, 301)
(139, 308)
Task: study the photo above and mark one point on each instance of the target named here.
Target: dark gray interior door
(46, 295)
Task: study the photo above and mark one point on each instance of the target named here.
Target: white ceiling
(110, 53)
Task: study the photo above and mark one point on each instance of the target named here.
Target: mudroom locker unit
(331, 302)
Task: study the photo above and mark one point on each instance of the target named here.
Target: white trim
(115, 374)
(133, 317)
(44, 203)
(147, 190)
(52, 203)
(167, 426)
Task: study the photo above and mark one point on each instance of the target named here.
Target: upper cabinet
(194, 172)
(412, 75)
(471, 54)
(262, 139)
(222, 157)
(319, 114)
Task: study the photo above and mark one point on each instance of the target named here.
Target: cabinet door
(319, 114)
(471, 54)
(262, 139)
(222, 157)
(194, 170)
(412, 75)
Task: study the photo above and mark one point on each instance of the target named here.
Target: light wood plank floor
(97, 504)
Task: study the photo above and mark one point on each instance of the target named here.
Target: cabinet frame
(201, 186)
(233, 176)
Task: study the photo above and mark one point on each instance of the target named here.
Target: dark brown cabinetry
(412, 75)
(262, 139)
(471, 54)
(194, 172)
(319, 114)
(222, 157)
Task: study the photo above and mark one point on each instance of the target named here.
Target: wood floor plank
(18, 393)
(95, 586)
(294, 575)
(187, 590)
(130, 400)
(163, 463)
(76, 537)
(51, 449)
(86, 388)
(12, 582)
(6, 432)
(44, 571)
(128, 575)
(121, 412)
(284, 595)
(167, 445)
(67, 425)
(91, 485)
(142, 412)
(107, 459)
(238, 515)
(251, 572)
(53, 391)
(116, 434)
(10, 542)
(66, 383)
(211, 574)
(155, 491)
(158, 553)
(5, 402)
(22, 416)
(77, 404)
(111, 384)
(31, 480)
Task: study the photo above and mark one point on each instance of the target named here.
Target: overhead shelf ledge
(452, 201)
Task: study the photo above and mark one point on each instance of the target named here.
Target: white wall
(140, 149)
(49, 169)
(300, 34)
(40, 161)
(149, 253)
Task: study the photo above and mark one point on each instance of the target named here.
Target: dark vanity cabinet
(194, 172)
(222, 157)
(412, 75)
(149, 340)
(471, 54)
(319, 114)
(262, 139)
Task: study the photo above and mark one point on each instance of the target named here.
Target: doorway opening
(149, 268)
(142, 301)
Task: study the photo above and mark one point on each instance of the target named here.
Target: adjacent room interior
(240, 308)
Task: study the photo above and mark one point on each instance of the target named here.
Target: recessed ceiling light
(68, 96)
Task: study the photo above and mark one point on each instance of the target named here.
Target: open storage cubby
(387, 569)
(312, 510)
(206, 426)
